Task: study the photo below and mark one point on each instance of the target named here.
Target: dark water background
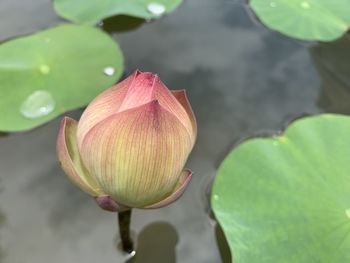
(242, 80)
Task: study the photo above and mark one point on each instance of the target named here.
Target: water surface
(241, 78)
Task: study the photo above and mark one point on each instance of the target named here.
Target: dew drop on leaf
(38, 104)
(156, 9)
(347, 212)
(305, 4)
(44, 69)
(109, 71)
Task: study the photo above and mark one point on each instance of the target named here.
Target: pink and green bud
(130, 145)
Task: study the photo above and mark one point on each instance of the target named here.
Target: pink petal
(181, 186)
(137, 155)
(181, 97)
(103, 106)
(107, 203)
(141, 91)
(68, 156)
(146, 87)
(138, 89)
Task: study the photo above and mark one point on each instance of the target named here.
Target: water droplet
(305, 4)
(131, 254)
(119, 246)
(109, 71)
(44, 69)
(156, 9)
(38, 104)
(216, 197)
(273, 4)
(347, 212)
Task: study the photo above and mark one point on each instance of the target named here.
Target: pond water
(242, 80)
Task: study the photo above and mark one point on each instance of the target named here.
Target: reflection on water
(156, 243)
(223, 246)
(2, 221)
(333, 64)
(241, 78)
(24, 17)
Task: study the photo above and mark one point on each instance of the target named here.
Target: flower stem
(124, 231)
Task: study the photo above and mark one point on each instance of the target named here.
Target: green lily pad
(286, 199)
(324, 20)
(91, 11)
(53, 71)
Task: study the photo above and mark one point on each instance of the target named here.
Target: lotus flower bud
(130, 145)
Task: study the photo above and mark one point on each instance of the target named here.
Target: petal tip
(146, 75)
(61, 140)
(64, 122)
(179, 92)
